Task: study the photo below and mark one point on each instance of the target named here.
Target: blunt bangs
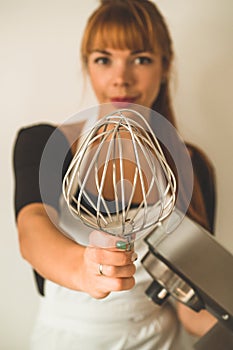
(119, 30)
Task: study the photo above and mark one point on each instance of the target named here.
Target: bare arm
(196, 323)
(63, 261)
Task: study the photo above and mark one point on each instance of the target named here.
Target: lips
(122, 101)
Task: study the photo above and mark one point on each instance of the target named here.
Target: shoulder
(32, 141)
(202, 166)
(34, 134)
(36, 130)
(204, 173)
(40, 133)
(200, 160)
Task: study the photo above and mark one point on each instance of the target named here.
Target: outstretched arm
(61, 260)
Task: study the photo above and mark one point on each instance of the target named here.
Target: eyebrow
(104, 52)
(138, 51)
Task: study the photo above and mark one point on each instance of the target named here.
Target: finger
(103, 240)
(108, 257)
(110, 284)
(116, 271)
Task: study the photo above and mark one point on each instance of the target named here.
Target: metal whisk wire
(105, 144)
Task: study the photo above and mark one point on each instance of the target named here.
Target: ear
(165, 76)
(165, 70)
(84, 63)
(163, 80)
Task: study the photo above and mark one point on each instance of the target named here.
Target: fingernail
(134, 257)
(122, 245)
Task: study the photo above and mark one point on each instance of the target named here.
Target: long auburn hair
(138, 25)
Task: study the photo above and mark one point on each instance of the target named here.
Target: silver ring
(101, 269)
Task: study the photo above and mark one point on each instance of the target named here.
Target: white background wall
(40, 80)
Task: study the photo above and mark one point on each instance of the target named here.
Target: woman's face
(125, 77)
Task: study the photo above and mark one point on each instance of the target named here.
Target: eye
(102, 60)
(143, 60)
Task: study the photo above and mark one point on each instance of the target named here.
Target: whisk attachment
(119, 180)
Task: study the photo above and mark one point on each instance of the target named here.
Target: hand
(117, 267)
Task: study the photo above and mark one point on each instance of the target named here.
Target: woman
(127, 53)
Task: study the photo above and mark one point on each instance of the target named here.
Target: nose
(122, 75)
